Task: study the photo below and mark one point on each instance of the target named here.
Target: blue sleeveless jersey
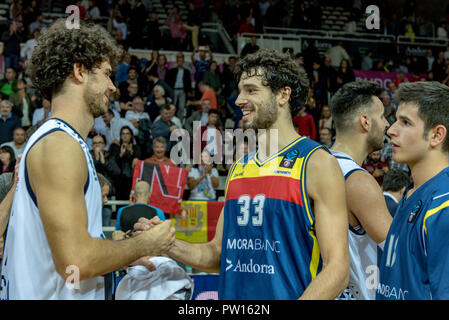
(269, 246)
(415, 260)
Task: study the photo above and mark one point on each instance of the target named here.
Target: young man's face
(98, 89)
(407, 135)
(213, 118)
(258, 103)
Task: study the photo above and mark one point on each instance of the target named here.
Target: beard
(376, 138)
(265, 117)
(95, 102)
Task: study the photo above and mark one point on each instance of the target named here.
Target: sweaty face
(258, 103)
(98, 88)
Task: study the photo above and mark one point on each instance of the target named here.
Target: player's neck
(427, 168)
(72, 110)
(353, 147)
(278, 136)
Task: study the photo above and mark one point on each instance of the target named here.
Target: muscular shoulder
(55, 156)
(361, 182)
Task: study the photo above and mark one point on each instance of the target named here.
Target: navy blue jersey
(415, 261)
(269, 247)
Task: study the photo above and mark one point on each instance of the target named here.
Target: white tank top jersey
(28, 270)
(362, 249)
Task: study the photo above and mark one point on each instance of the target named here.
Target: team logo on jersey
(289, 159)
(416, 210)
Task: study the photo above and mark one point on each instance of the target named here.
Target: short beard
(266, 116)
(374, 142)
(94, 102)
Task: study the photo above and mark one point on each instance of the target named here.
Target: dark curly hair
(279, 71)
(59, 48)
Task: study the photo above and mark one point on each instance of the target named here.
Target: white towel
(168, 282)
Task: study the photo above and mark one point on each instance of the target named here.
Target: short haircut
(103, 181)
(7, 102)
(142, 188)
(160, 139)
(432, 100)
(277, 70)
(160, 88)
(164, 107)
(213, 111)
(395, 180)
(350, 99)
(59, 48)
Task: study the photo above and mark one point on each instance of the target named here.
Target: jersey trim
(433, 211)
(261, 163)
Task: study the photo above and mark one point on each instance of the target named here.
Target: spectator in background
(11, 45)
(162, 66)
(211, 135)
(202, 180)
(126, 155)
(200, 115)
(135, 24)
(92, 12)
(393, 187)
(164, 126)
(212, 78)
(326, 120)
(178, 31)
(375, 166)
(228, 79)
(250, 47)
(179, 79)
(337, 53)
(344, 74)
(173, 117)
(429, 59)
(113, 128)
(326, 137)
(7, 159)
(24, 103)
(41, 114)
(367, 63)
(103, 162)
(305, 124)
(153, 31)
(439, 67)
(153, 79)
(390, 110)
(155, 102)
(247, 26)
(159, 153)
(119, 24)
(130, 91)
(442, 31)
(193, 22)
(200, 63)
(314, 14)
(8, 121)
(122, 69)
(38, 23)
(207, 93)
(9, 84)
(29, 46)
(18, 141)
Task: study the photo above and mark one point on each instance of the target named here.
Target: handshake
(155, 237)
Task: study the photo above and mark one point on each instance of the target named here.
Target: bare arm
(58, 171)
(201, 256)
(331, 222)
(5, 208)
(366, 201)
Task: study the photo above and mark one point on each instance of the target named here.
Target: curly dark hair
(59, 48)
(279, 71)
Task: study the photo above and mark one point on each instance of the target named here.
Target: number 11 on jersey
(245, 203)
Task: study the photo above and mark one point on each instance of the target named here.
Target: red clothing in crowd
(371, 166)
(306, 126)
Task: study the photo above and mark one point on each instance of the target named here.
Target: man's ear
(437, 135)
(79, 72)
(284, 95)
(365, 122)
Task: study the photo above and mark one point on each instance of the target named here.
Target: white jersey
(362, 249)
(28, 270)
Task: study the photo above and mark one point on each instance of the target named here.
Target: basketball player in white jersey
(360, 124)
(55, 229)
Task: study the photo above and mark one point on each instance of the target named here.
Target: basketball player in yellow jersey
(277, 264)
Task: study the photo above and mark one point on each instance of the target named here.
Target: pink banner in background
(380, 77)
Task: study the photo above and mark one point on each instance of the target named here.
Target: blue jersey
(415, 261)
(269, 247)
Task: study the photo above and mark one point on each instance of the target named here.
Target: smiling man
(416, 253)
(279, 236)
(55, 231)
